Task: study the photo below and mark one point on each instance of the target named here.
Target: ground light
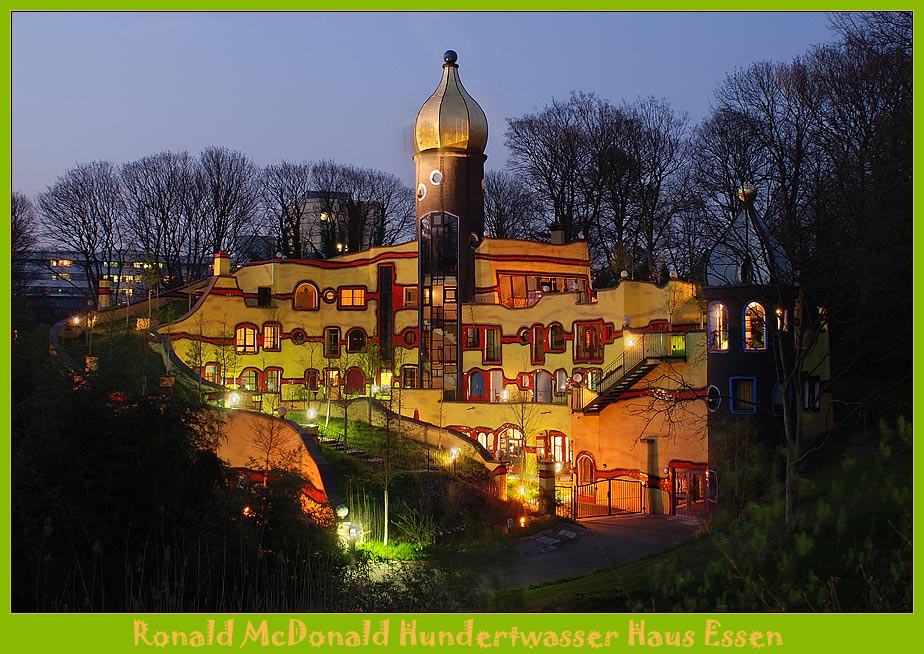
(234, 399)
(453, 456)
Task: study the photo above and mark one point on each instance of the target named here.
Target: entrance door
(690, 494)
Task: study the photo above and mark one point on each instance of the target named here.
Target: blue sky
(346, 86)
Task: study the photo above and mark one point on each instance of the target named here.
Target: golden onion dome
(450, 119)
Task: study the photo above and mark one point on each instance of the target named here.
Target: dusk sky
(346, 86)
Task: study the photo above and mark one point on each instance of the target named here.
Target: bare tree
(661, 150)
(361, 208)
(547, 148)
(84, 212)
(511, 210)
(227, 181)
(23, 220)
(284, 190)
(726, 153)
(396, 209)
(155, 187)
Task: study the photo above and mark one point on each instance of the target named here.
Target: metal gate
(604, 497)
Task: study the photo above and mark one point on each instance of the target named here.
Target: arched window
(250, 381)
(585, 470)
(476, 386)
(246, 339)
(556, 338)
(356, 340)
(355, 381)
(306, 297)
(755, 327)
(718, 327)
(543, 386)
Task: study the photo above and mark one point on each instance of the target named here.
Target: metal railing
(649, 346)
(605, 497)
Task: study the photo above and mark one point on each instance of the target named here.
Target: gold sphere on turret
(747, 193)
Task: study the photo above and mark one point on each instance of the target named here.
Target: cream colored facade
(505, 341)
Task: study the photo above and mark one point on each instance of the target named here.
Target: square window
(743, 394)
(312, 379)
(472, 338)
(264, 296)
(246, 340)
(332, 342)
(410, 296)
(272, 333)
(492, 345)
(351, 298)
(409, 376)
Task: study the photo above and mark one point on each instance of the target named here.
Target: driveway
(570, 551)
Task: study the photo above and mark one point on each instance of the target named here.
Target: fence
(601, 498)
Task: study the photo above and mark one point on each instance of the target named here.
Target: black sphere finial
(450, 57)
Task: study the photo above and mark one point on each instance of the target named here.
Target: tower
(749, 300)
(450, 136)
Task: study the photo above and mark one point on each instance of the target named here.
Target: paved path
(571, 551)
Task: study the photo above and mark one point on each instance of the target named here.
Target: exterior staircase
(632, 366)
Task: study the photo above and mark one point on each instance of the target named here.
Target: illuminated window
(306, 297)
(782, 320)
(352, 297)
(743, 395)
(755, 327)
(250, 380)
(718, 327)
(246, 340)
(410, 297)
(332, 342)
(356, 340)
(211, 373)
(331, 377)
(271, 335)
(492, 344)
(811, 392)
(273, 379)
(588, 339)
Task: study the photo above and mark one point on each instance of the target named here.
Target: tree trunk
(385, 532)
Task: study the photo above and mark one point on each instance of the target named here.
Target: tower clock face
(436, 177)
(421, 191)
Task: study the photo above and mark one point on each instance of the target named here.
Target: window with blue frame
(755, 327)
(742, 395)
(718, 327)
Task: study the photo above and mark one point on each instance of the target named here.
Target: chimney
(557, 234)
(222, 264)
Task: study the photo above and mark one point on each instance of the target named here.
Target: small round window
(713, 398)
(436, 177)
